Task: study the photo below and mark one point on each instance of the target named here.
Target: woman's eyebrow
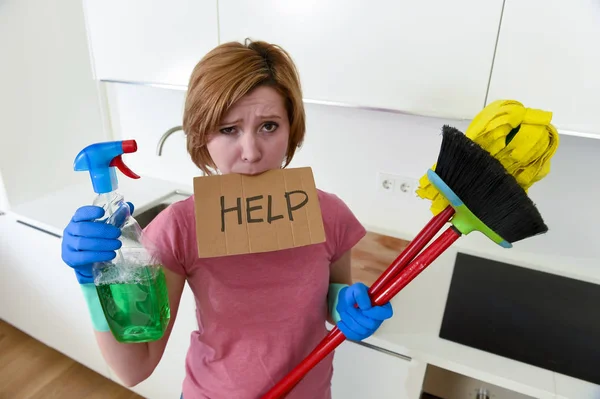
(270, 116)
(229, 123)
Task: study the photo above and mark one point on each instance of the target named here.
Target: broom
(483, 197)
(527, 158)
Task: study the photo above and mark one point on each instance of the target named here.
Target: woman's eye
(270, 126)
(228, 130)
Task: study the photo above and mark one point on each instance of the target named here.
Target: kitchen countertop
(418, 308)
(418, 313)
(53, 211)
(413, 331)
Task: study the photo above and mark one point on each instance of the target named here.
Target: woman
(258, 314)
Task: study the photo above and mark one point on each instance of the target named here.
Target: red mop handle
(410, 252)
(415, 246)
(336, 337)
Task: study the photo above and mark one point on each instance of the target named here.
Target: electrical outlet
(396, 184)
(406, 185)
(386, 182)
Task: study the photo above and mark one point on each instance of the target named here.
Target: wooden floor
(32, 370)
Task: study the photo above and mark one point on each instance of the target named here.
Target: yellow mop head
(522, 139)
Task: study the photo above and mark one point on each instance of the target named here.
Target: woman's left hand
(360, 323)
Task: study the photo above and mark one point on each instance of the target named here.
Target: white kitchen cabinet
(150, 41)
(548, 57)
(361, 372)
(49, 104)
(41, 296)
(430, 58)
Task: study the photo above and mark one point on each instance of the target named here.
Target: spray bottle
(132, 287)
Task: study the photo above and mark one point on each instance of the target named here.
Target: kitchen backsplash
(347, 147)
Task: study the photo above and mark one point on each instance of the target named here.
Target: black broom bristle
(486, 188)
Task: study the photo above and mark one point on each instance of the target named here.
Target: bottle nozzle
(129, 146)
(101, 158)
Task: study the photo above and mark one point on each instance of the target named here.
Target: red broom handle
(336, 337)
(414, 247)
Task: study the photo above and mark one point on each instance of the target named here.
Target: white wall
(144, 114)
(347, 147)
(49, 103)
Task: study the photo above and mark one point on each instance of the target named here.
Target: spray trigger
(118, 162)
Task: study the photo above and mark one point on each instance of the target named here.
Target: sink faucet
(164, 137)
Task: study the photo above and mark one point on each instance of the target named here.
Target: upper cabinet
(548, 57)
(150, 41)
(429, 58)
(434, 58)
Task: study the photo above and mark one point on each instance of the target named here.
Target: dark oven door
(538, 318)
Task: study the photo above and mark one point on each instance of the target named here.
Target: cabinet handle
(39, 229)
(482, 394)
(382, 350)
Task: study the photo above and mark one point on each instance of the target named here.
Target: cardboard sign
(238, 214)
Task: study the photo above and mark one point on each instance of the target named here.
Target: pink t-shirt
(259, 314)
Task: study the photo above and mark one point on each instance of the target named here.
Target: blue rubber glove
(360, 323)
(86, 241)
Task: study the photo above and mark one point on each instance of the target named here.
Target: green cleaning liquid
(136, 307)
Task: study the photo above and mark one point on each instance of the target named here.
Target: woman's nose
(250, 148)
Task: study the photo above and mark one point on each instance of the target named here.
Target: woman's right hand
(86, 241)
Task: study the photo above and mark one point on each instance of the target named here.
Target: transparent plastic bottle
(132, 287)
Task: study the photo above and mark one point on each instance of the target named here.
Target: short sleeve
(348, 231)
(164, 237)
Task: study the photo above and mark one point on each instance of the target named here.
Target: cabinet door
(150, 41)
(430, 58)
(548, 57)
(361, 372)
(40, 294)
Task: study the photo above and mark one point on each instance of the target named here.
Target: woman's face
(253, 135)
